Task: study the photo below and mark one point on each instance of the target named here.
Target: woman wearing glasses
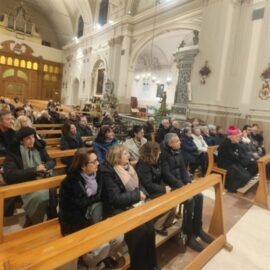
(79, 191)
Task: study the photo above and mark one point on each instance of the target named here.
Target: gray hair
(168, 137)
(164, 121)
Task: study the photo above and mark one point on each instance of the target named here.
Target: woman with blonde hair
(22, 121)
(121, 191)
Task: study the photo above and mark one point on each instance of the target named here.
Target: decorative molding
(205, 71)
(10, 46)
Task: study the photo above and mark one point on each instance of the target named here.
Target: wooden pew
(42, 247)
(261, 197)
(212, 166)
(42, 126)
(55, 142)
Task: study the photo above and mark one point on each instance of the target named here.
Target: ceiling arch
(62, 15)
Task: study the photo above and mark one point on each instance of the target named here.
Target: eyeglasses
(93, 162)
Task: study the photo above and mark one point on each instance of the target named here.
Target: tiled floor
(235, 212)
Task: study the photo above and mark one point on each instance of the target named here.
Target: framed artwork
(160, 90)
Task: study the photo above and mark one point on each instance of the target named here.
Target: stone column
(184, 59)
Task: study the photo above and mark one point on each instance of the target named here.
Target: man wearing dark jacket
(176, 176)
(7, 134)
(26, 162)
(83, 128)
(163, 129)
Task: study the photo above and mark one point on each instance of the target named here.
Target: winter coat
(189, 149)
(151, 179)
(69, 142)
(101, 148)
(174, 172)
(84, 131)
(13, 166)
(74, 201)
(115, 197)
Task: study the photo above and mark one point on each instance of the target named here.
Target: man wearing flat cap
(25, 162)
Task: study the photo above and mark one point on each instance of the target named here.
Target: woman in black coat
(70, 139)
(121, 190)
(149, 172)
(80, 190)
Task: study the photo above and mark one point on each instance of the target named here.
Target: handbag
(94, 212)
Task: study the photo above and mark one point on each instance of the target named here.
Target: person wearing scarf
(122, 191)
(24, 162)
(134, 144)
(104, 141)
(79, 192)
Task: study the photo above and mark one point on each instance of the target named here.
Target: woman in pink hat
(229, 159)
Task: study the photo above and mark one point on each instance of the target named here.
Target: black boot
(205, 237)
(194, 244)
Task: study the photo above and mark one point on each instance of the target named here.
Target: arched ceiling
(63, 15)
(160, 51)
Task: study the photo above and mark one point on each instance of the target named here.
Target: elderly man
(176, 176)
(7, 134)
(83, 128)
(229, 158)
(44, 118)
(176, 128)
(26, 162)
(163, 129)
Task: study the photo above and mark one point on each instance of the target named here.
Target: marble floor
(248, 230)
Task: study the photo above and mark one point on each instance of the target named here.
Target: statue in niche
(109, 99)
(264, 93)
(163, 105)
(195, 37)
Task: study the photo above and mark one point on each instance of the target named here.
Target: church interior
(134, 134)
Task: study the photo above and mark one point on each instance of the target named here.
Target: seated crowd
(105, 177)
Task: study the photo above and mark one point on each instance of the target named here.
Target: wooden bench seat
(42, 246)
(55, 142)
(43, 126)
(252, 183)
(212, 166)
(262, 197)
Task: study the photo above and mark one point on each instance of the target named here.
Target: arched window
(16, 62)
(29, 65)
(10, 61)
(35, 66)
(80, 27)
(3, 60)
(23, 64)
(103, 12)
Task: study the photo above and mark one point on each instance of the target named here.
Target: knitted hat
(233, 130)
(24, 132)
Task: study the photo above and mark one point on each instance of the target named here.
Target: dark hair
(66, 129)
(245, 127)
(19, 109)
(101, 137)
(149, 151)
(135, 129)
(4, 113)
(186, 130)
(80, 158)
